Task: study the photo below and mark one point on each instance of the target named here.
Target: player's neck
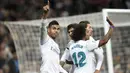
(84, 38)
(70, 38)
(53, 38)
(87, 38)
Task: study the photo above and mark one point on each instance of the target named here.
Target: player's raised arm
(109, 33)
(43, 28)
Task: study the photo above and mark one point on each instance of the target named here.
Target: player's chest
(54, 49)
(51, 48)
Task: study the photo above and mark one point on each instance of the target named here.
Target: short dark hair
(54, 22)
(84, 22)
(79, 31)
(71, 26)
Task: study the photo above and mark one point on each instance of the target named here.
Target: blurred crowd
(14, 10)
(8, 57)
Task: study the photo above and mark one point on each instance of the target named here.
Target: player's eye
(70, 31)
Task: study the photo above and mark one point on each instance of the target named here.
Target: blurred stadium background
(24, 30)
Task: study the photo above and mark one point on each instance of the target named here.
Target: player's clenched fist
(110, 22)
(46, 8)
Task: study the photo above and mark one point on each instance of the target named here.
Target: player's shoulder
(92, 44)
(70, 43)
(89, 41)
(45, 41)
(51, 41)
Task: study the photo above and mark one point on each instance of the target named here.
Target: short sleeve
(100, 56)
(65, 55)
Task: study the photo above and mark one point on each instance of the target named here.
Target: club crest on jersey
(55, 50)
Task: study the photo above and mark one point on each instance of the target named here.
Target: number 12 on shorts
(79, 58)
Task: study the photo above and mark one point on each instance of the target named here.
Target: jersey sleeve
(69, 57)
(100, 56)
(43, 31)
(65, 55)
(91, 45)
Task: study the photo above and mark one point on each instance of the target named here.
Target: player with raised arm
(49, 48)
(96, 55)
(80, 50)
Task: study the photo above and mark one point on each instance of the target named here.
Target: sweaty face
(70, 32)
(53, 31)
(89, 30)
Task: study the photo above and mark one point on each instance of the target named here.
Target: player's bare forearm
(108, 35)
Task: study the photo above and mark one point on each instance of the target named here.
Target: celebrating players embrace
(80, 50)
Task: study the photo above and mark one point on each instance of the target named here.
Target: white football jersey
(66, 56)
(50, 55)
(99, 57)
(96, 56)
(79, 52)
